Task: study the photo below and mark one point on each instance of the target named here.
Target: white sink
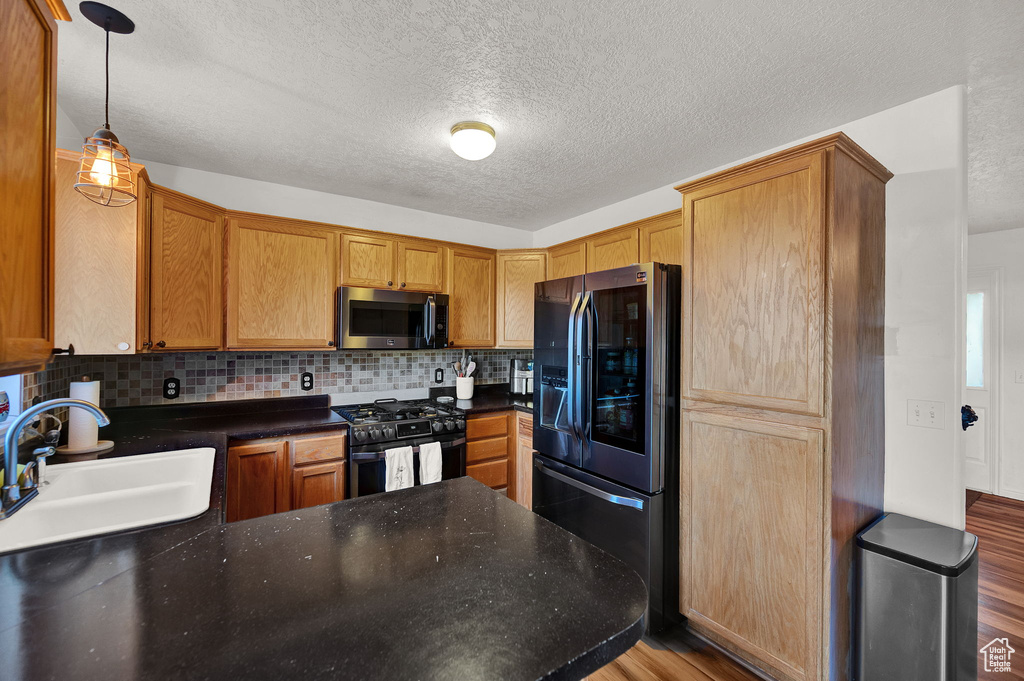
(109, 495)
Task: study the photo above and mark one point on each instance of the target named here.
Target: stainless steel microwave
(370, 318)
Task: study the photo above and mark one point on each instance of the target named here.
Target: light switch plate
(438, 375)
(926, 414)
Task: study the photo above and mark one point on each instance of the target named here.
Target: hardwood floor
(998, 523)
(677, 656)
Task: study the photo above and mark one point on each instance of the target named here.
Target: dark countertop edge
(600, 655)
(489, 398)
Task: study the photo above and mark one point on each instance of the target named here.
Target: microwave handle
(428, 334)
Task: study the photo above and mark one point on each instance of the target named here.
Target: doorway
(983, 330)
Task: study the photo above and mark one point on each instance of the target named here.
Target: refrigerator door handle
(584, 320)
(631, 502)
(573, 371)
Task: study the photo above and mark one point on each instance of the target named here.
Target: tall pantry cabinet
(783, 419)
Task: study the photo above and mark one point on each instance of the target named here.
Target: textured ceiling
(995, 116)
(593, 101)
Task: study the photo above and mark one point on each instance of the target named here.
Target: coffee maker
(520, 377)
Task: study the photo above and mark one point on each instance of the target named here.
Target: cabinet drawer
(492, 425)
(483, 450)
(317, 449)
(493, 473)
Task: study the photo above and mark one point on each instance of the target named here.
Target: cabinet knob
(161, 344)
(69, 350)
(391, 283)
(330, 344)
(403, 284)
(147, 344)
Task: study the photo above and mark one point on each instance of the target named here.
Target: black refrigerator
(606, 419)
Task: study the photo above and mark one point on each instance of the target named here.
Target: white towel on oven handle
(398, 468)
(430, 463)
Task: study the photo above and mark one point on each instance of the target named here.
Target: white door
(980, 442)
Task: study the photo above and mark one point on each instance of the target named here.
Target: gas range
(391, 420)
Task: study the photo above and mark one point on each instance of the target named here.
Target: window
(976, 340)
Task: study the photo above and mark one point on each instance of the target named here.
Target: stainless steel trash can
(917, 617)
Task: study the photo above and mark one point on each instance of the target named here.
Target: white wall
(254, 196)
(923, 143)
(1005, 250)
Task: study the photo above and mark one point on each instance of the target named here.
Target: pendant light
(105, 172)
(473, 140)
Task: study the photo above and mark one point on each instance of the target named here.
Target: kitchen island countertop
(444, 581)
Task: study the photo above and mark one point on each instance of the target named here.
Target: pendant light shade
(104, 172)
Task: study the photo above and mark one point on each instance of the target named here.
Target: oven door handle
(377, 454)
(428, 334)
(631, 502)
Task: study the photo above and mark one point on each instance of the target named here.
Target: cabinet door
(753, 310)
(316, 484)
(524, 460)
(367, 261)
(28, 100)
(185, 305)
(567, 260)
(661, 240)
(616, 249)
(281, 285)
(96, 269)
(420, 266)
(517, 275)
(257, 481)
(471, 301)
(751, 555)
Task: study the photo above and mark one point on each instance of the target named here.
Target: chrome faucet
(11, 497)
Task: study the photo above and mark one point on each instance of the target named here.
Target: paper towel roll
(83, 432)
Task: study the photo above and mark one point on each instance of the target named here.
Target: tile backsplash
(133, 380)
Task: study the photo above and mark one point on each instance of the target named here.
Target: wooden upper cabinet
(661, 239)
(567, 260)
(518, 272)
(281, 284)
(367, 261)
(28, 108)
(754, 304)
(471, 298)
(420, 266)
(618, 248)
(751, 538)
(99, 268)
(186, 237)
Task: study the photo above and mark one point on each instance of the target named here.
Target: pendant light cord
(106, 96)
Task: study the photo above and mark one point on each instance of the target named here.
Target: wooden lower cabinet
(523, 459)
(751, 538)
(488, 452)
(281, 474)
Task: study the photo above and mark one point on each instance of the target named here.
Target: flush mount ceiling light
(473, 140)
(105, 172)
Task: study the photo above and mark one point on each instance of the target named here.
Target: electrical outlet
(926, 414)
(307, 381)
(172, 388)
(1018, 376)
(438, 375)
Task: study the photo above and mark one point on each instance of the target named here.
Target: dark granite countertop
(444, 581)
(487, 398)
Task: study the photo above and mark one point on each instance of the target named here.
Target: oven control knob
(460, 424)
(437, 426)
(359, 434)
(375, 433)
(449, 424)
(389, 432)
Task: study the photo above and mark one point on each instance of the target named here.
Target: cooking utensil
(470, 369)
(458, 368)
